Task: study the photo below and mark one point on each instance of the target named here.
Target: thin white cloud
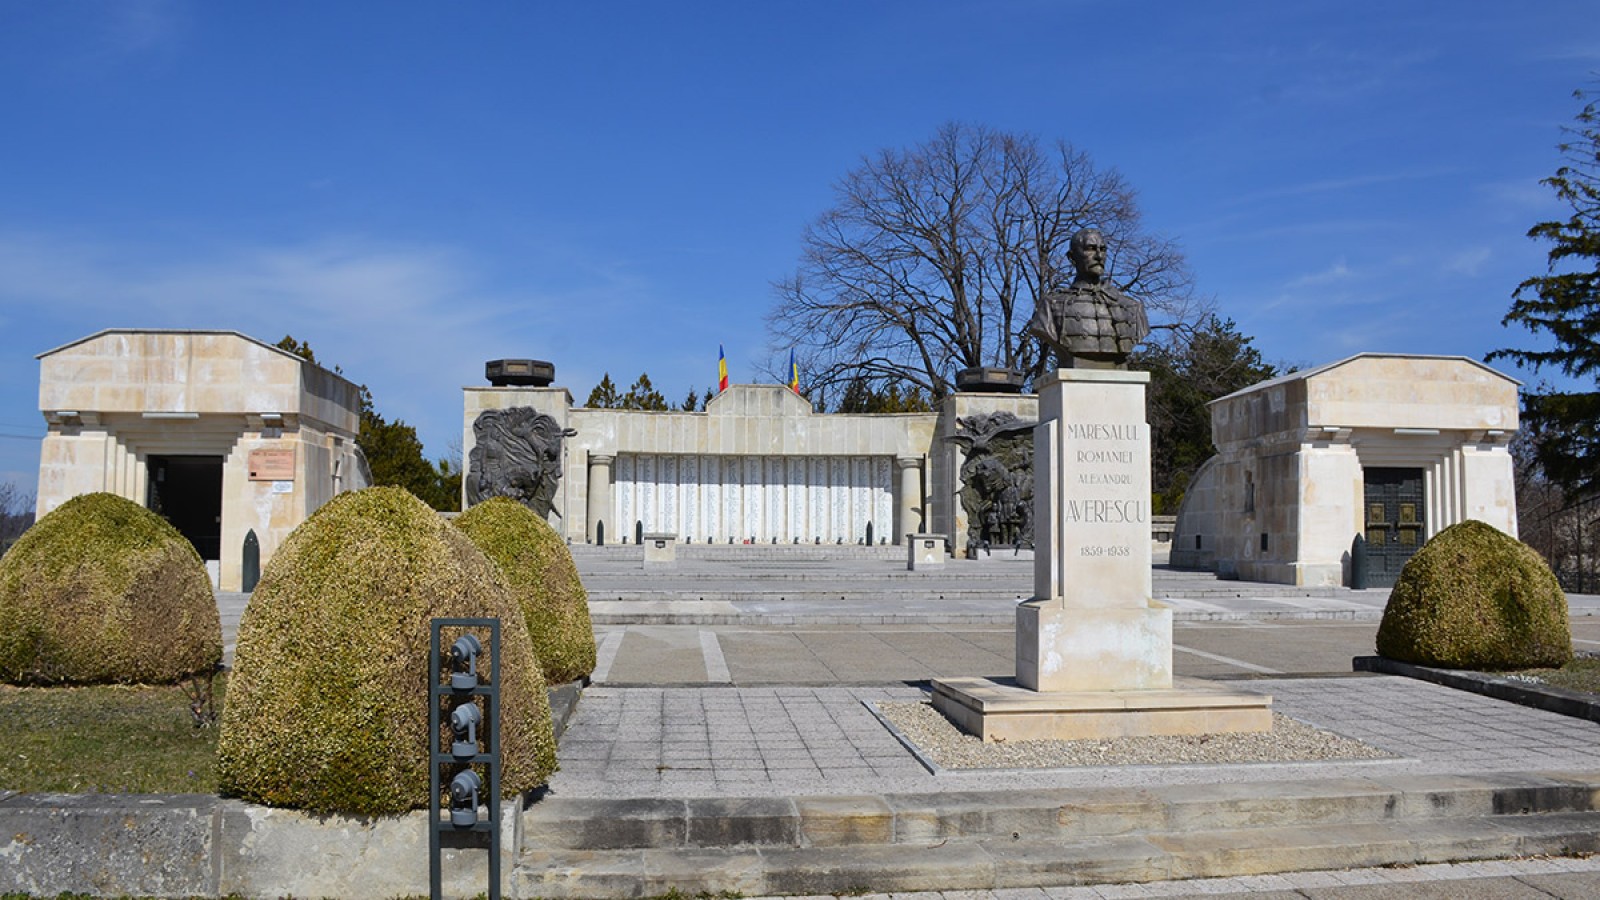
(1468, 262)
(97, 41)
(413, 321)
(1342, 185)
(1565, 51)
(1338, 272)
(1522, 198)
(340, 279)
(140, 26)
(1342, 78)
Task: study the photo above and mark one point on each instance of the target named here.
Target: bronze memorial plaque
(272, 464)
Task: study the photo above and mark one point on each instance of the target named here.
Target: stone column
(908, 500)
(599, 509)
(954, 522)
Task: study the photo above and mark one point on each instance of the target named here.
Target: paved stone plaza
(785, 741)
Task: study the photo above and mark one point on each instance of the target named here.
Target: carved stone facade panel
(788, 498)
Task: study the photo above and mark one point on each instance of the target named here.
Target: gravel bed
(951, 748)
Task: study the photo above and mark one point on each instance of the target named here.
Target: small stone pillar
(599, 508)
(908, 499)
(924, 551)
(660, 548)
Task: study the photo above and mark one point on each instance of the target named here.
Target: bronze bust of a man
(1091, 323)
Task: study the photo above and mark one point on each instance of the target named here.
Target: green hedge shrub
(102, 590)
(537, 564)
(1476, 598)
(327, 707)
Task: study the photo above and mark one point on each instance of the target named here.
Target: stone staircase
(792, 580)
(993, 840)
(745, 552)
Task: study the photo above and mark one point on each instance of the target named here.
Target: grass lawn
(1582, 674)
(107, 739)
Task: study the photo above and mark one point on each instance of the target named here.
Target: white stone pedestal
(1094, 651)
(1063, 648)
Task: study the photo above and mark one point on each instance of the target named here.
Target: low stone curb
(564, 702)
(1539, 696)
(198, 845)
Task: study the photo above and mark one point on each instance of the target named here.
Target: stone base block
(660, 549)
(1005, 711)
(1063, 648)
(924, 551)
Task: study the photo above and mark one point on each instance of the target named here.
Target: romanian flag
(722, 370)
(794, 373)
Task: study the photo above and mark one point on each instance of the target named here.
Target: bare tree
(16, 513)
(1564, 526)
(933, 257)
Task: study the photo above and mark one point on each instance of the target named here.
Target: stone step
(737, 552)
(800, 614)
(801, 596)
(889, 598)
(678, 582)
(706, 823)
(994, 863)
(1003, 839)
(1012, 577)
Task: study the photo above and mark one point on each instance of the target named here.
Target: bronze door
(1395, 522)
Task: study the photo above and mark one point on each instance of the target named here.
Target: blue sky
(415, 188)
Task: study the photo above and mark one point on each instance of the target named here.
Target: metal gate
(1395, 526)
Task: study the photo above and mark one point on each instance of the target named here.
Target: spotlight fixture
(464, 722)
(464, 790)
(464, 659)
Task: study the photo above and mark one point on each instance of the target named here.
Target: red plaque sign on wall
(272, 464)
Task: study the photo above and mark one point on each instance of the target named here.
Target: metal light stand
(441, 687)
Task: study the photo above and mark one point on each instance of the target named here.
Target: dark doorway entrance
(187, 491)
(1395, 522)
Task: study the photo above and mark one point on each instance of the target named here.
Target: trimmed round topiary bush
(327, 708)
(537, 564)
(1476, 598)
(102, 590)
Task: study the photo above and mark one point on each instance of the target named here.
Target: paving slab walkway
(789, 741)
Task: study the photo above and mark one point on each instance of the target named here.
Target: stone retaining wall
(187, 845)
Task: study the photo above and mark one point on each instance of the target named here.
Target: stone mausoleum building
(222, 434)
(1392, 447)
(227, 437)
